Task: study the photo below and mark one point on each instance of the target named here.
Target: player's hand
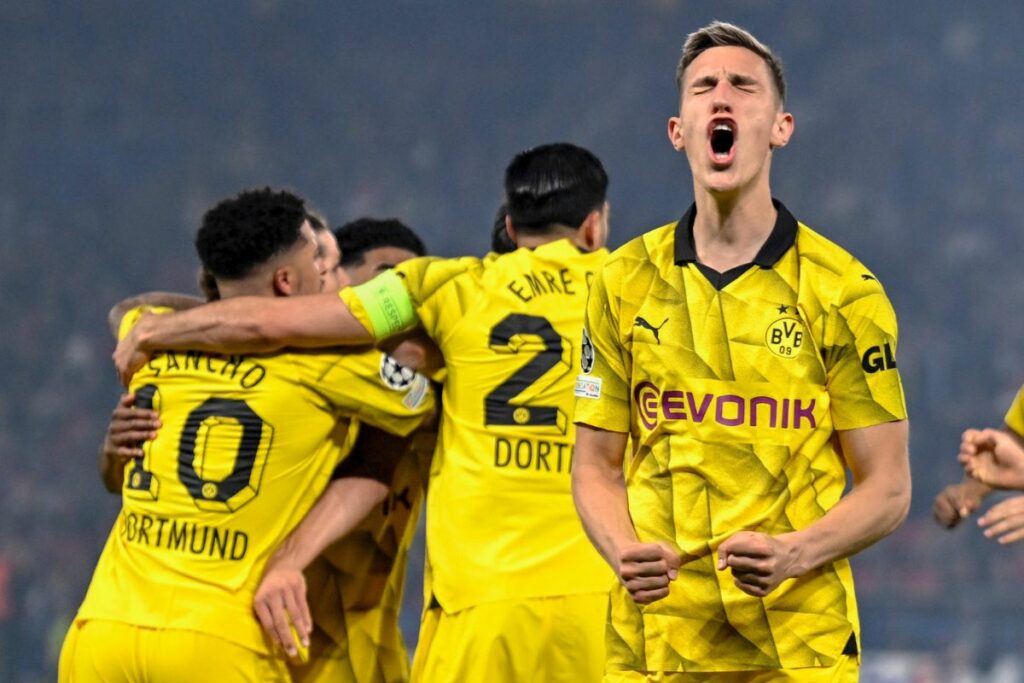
(280, 602)
(646, 569)
(992, 457)
(956, 502)
(759, 562)
(129, 428)
(1004, 521)
(128, 357)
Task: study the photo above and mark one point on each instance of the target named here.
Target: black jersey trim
(782, 237)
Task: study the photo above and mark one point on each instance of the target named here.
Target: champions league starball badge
(587, 354)
(394, 375)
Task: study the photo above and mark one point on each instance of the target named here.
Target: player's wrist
(794, 553)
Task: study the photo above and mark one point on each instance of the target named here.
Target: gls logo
(878, 358)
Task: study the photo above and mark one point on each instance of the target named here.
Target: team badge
(394, 375)
(587, 353)
(785, 336)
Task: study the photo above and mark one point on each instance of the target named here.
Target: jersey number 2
(521, 333)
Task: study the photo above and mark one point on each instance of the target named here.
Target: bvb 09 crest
(785, 336)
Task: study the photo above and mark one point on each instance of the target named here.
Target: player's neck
(534, 241)
(730, 228)
(244, 287)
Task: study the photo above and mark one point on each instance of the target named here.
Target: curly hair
(240, 234)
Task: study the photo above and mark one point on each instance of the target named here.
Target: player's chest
(756, 329)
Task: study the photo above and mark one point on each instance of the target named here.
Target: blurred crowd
(119, 125)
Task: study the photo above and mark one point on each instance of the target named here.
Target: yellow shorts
(845, 670)
(99, 651)
(548, 640)
(363, 661)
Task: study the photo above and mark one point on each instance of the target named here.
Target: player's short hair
(363, 234)
(244, 232)
(552, 185)
(722, 34)
(316, 220)
(501, 243)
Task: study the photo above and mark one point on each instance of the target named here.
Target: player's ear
(782, 129)
(510, 230)
(593, 232)
(284, 281)
(675, 133)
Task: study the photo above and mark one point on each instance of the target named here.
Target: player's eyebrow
(711, 80)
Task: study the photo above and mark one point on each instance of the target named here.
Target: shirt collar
(782, 237)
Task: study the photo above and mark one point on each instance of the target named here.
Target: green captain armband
(387, 304)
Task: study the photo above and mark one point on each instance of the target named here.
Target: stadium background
(121, 122)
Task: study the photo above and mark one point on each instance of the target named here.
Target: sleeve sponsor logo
(588, 387)
(878, 358)
(587, 353)
(729, 410)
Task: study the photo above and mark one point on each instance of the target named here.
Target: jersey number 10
(216, 495)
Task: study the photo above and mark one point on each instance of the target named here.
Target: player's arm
(957, 502)
(879, 460)
(374, 310)
(243, 325)
(599, 491)
(172, 300)
(359, 483)
(129, 427)
(994, 458)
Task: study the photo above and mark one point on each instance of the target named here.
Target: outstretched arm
(173, 300)
(876, 506)
(243, 325)
(599, 491)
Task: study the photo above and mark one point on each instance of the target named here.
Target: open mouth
(723, 141)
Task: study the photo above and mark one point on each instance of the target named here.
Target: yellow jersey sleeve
(134, 315)
(400, 298)
(860, 357)
(602, 387)
(1015, 415)
(371, 387)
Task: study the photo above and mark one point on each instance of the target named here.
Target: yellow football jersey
(731, 386)
(1015, 415)
(247, 445)
(500, 518)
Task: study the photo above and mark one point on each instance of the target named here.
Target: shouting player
(751, 360)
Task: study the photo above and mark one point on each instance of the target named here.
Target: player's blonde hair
(719, 34)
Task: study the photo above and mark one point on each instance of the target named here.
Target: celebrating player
(355, 585)
(246, 444)
(518, 593)
(751, 360)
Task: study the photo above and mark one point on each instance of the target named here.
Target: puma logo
(640, 322)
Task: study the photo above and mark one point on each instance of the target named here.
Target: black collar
(782, 237)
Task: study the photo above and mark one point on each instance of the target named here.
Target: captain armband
(386, 303)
